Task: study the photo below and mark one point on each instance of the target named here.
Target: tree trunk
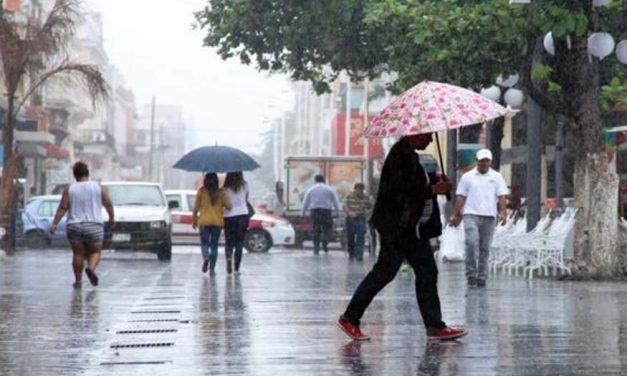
(596, 185)
(7, 189)
(596, 228)
(495, 137)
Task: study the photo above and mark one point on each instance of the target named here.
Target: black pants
(322, 224)
(397, 246)
(234, 232)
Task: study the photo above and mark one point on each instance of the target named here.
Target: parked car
(142, 218)
(264, 230)
(37, 218)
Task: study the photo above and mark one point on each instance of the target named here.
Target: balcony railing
(96, 137)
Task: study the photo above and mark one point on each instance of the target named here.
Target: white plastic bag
(452, 247)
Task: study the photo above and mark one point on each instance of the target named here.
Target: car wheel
(36, 240)
(257, 241)
(165, 251)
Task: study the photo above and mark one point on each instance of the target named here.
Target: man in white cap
(477, 194)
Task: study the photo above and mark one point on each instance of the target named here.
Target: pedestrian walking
(476, 203)
(208, 215)
(356, 206)
(83, 202)
(235, 219)
(406, 216)
(321, 200)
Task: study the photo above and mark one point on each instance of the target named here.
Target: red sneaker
(447, 333)
(351, 330)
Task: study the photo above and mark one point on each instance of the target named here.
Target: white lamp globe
(621, 51)
(600, 45)
(549, 46)
(514, 98)
(600, 3)
(493, 93)
(509, 81)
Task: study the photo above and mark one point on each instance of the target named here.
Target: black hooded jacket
(403, 191)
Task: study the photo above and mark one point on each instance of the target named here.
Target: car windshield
(141, 195)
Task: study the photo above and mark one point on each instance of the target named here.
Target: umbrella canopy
(432, 107)
(216, 159)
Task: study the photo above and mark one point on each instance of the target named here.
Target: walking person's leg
(94, 235)
(327, 226)
(242, 227)
(471, 231)
(78, 258)
(420, 257)
(230, 238)
(350, 237)
(360, 234)
(204, 246)
(317, 229)
(214, 236)
(382, 273)
(486, 232)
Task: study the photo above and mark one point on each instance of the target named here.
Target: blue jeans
(209, 236)
(355, 233)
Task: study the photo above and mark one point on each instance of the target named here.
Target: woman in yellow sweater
(207, 214)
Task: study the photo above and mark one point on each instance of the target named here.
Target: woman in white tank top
(83, 202)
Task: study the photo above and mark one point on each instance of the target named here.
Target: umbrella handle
(437, 141)
(449, 197)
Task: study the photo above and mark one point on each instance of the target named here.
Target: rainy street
(277, 318)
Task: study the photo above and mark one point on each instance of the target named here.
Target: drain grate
(142, 345)
(169, 311)
(155, 320)
(156, 362)
(164, 297)
(147, 331)
(158, 305)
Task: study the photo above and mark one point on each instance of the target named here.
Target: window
(190, 201)
(175, 198)
(140, 195)
(48, 208)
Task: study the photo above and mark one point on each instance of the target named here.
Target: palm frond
(88, 75)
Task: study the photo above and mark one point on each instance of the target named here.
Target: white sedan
(264, 230)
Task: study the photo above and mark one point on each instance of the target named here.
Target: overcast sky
(152, 43)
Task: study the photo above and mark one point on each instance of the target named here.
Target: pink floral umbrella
(432, 107)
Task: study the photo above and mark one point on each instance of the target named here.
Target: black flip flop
(93, 278)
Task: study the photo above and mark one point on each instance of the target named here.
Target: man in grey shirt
(320, 199)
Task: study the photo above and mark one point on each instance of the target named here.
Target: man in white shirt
(477, 194)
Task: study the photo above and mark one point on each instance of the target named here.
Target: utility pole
(534, 163)
(152, 141)
(559, 163)
(347, 122)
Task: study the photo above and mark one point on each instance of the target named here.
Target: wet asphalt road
(277, 318)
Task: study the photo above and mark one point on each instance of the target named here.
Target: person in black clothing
(406, 215)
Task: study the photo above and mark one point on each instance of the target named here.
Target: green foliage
(614, 93)
(311, 40)
(465, 42)
(541, 72)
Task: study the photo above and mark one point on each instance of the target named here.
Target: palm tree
(35, 48)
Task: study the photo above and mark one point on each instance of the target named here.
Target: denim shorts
(91, 233)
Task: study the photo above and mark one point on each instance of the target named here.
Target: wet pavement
(277, 318)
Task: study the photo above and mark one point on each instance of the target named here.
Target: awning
(54, 151)
(622, 128)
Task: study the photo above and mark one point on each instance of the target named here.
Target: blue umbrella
(216, 159)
